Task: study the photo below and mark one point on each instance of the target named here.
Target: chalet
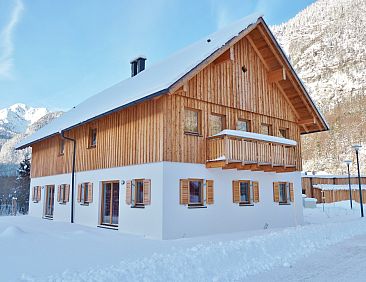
(206, 141)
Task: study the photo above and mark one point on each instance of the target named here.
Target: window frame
(202, 202)
(134, 183)
(286, 130)
(61, 149)
(287, 192)
(92, 144)
(248, 122)
(270, 128)
(62, 193)
(250, 202)
(223, 122)
(199, 122)
(84, 194)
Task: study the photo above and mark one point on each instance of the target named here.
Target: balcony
(233, 149)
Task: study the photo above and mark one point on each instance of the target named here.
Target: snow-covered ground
(33, 249)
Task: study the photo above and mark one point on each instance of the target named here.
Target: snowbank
(224, 260)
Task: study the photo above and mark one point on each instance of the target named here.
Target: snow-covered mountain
(16, 122)
(326, 45)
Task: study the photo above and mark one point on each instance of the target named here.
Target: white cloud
(6, 40)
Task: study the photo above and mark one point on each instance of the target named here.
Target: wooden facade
(244, 82)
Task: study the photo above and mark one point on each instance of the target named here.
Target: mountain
(16, 122)
(326, 45)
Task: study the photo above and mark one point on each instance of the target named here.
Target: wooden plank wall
(130, 136)
(338, 195)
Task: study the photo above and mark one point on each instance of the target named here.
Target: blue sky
(56, 54)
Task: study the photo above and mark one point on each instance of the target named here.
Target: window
(283, 132)
(243, 125)
(217, 123)
(110, 203)
(192, 192)
(85, 193)
(138, 192)
(192, 121)
(36, 194)
(266, 129)
(63, 192)
(245, 192)
(283, 192)
(92, 138)
(62, 147)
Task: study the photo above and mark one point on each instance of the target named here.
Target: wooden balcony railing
(251, 151)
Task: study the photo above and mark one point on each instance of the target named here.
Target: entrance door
(110, 203)
(50, 201)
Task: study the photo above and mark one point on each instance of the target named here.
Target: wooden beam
(223, 58)
(310, 121)
(215, 164)
(277, 75)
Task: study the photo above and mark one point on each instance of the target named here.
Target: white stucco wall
(165, 218)
(225, 216)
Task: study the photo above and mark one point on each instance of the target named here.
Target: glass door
(110, 203)
(50, 201)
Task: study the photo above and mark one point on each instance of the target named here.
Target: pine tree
(23, 185)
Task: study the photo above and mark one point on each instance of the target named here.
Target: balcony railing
(246, 150)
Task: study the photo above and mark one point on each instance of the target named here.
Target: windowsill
(246, 204)
(196, 206)
(138, 206)
(47, 217)
(91, 147)
(107, 226)
(84, 204)
(35, 202)
(285, 204)
(192, 133)
(62, 203)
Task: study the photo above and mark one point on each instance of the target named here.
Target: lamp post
(348, 163)
(357, 148)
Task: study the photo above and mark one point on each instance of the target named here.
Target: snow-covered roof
(256, 136)
(338, 186)
(151, 82)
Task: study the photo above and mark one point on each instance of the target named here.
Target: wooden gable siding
(130, 136)
(226, 84)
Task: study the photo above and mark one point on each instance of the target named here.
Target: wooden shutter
(79, 193)
(255, 185)
(128, 192)
(34, 193)
(184, 192)
(59, 193)
(147, 191)
(209, 192)
(291, 185)
(90, 192)
(236, 191)
(67, 193)
(276, 192)
(38, 193)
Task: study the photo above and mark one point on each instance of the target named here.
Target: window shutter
(184, 192)
(38, 193)
(292, 198)
(236, 191)
(209, 192)
(147, 191)
(67, 193)
(59, 193)
(255, 191)
(90, 192)
(276, 196)
(128, 192)
(79, 193)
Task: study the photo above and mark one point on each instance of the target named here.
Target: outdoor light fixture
(348, 163)
(357, 148)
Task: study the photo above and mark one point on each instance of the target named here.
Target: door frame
(46, 193)
(102, 203)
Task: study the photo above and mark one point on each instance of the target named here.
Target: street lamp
(357, 148)
(348, 163)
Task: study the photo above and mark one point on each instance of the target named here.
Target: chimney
(137, 65)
